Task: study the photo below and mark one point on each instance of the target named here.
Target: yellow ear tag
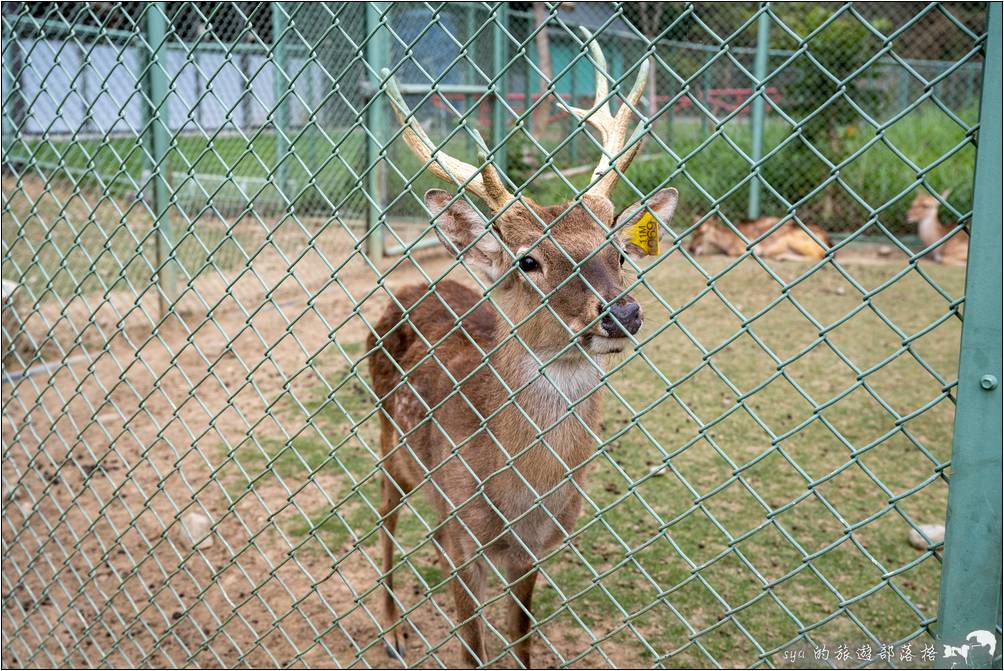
(644, 234)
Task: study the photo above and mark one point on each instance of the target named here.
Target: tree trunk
(543, 110)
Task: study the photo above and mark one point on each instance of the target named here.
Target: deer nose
(622, 317)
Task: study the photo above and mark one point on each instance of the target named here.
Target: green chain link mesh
(207, 205)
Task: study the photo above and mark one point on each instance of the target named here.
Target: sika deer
(789, 242)
(497, 419)
(923, 213)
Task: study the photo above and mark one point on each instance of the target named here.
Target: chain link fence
(208, 207)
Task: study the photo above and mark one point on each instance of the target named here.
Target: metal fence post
(757, 121)
(903, 89)
(499, 39)
(572, 125)
(11, 88)
(526, 119)
(971, 574)
(312, 96)
(158, 141)
(280, 84)
(469, 76)
(706, 98)
(377, 47)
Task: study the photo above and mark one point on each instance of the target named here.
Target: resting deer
(790, 241)
(923, 213)
(499, 423)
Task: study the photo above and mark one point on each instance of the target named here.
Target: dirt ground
(92, 500)
(106, 455)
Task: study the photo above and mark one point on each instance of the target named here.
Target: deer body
(495, 418)
(789, 241)
(923, 213)
(482, 459)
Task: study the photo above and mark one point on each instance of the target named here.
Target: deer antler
(485, 183)
(612, 129)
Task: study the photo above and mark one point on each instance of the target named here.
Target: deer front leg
(522, 578)
(393, 641)
(468, 594)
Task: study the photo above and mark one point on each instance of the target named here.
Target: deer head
(569, 255)
(707, 238)
(924, 206)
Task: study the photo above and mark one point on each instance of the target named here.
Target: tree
(840, 50)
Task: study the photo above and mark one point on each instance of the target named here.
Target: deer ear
(641, 225)
(945, 194)
(463, 231)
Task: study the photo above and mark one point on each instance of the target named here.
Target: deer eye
(622, 257)
(528, 264)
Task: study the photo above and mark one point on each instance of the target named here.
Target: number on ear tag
(644, 234)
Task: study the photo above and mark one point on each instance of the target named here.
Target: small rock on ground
(196, 526)
(936, 532)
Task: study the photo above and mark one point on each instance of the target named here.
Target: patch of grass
(721, 518)
(714, 517)
(330, 457)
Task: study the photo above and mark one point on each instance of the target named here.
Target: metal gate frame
(971, 573)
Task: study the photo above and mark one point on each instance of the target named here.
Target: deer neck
(555, 413)
(929, 228)
(550, 385)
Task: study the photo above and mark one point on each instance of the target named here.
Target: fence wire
(208, 207)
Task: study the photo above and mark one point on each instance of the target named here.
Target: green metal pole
(281, 85)
(760, 73)
(669, 110)
(971, 572)
(158, 141)
(313, 134)
(527, 90)
(904, 90)
(376, 126)
(706, 86)
(469, 99)
(84, 88)
(573, 122)
(499, 42)
(8, 125)
(971, 78)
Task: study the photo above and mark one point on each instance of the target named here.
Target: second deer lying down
(497, 419)
(923, 213)
(790, 241)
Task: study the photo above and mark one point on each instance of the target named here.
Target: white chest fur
(561, 385)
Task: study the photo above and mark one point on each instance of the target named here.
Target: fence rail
(211, 213)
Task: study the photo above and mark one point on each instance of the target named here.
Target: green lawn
(774, 513)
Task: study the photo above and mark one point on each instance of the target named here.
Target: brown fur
(923, 213)
(500, 491)
(790, 241)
